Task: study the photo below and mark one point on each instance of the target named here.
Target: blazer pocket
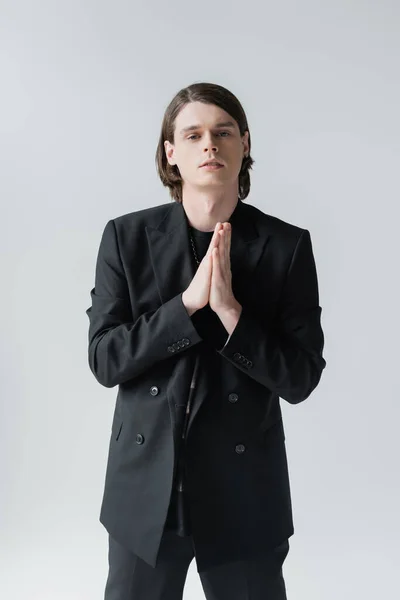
(274, 431)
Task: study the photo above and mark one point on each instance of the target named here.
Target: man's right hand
(197, 294)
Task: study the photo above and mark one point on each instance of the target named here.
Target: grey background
(84, 88)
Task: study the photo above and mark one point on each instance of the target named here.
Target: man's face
(212, 137)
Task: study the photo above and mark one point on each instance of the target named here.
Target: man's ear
(170, 152)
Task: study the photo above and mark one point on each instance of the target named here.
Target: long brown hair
(209, 93)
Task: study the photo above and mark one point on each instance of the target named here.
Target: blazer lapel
(170, 253)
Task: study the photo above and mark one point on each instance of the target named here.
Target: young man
(205, 312)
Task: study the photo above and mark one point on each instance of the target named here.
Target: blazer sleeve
(121, 348)
(285, 357)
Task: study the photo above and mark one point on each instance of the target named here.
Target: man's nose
(210, 143)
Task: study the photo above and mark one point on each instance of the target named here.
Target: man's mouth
(212, 166)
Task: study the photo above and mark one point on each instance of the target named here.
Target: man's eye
(192, 136)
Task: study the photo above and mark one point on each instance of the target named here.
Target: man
(204, 312)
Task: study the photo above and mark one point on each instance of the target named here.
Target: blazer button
(240, 448)
(154, 390)
(139, 438)
(233, 397)
(171, 349)
(186, 341)
(237, 356)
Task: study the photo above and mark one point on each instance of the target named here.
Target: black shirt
(215, 335)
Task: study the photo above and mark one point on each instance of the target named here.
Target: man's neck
(204, 212)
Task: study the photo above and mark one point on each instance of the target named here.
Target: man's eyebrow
(220, 124)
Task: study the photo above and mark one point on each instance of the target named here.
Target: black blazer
(142, 339)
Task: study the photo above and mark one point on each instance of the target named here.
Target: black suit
(142, 339)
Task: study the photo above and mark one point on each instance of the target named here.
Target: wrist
(229, 316)
(189, 308)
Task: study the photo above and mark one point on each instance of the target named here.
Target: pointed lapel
(170, 253)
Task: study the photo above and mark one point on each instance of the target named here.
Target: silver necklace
(194, 249)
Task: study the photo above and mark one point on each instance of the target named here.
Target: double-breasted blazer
(142, 340)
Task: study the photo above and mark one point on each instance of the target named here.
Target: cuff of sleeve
(180, 325)
(237, 343)
(229, 337)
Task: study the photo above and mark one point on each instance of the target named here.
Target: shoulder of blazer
(130, 228)
(281, 231)
(145, 216)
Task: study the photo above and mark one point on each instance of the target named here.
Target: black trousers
(130, 578)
